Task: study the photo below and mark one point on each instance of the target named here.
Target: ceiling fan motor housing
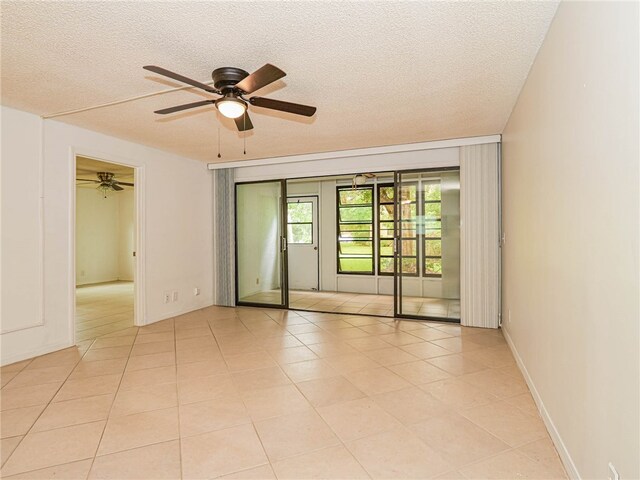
(225, 78)
(105, 177)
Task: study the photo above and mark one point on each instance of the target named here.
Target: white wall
(426, 155)
(571, 211)
(177, 246)
(104, 236)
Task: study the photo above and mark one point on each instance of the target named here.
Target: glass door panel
(427, 244)
(261, 244)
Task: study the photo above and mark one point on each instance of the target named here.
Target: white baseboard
(54, 347)
(176, 313)
(567, 461)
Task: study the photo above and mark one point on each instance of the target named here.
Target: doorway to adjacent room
(105, 247)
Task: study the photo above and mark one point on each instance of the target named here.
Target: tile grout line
(175, 349)
(315, 410)
(115, 395)
(261, 337)
(47, 404)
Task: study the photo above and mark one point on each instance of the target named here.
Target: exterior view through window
(432, 228)
(419, 218)
(300, 222)
(355, 230)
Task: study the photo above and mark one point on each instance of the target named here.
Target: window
(386, 230)
(355, 230)
(432, 228)
(408, 200)
(421, 236)
(300, 223)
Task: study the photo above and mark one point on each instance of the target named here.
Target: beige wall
(570, 200)
(104, 236)
(97, 234)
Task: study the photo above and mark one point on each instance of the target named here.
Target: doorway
(105, 247)
(387, 244)
(303, 242)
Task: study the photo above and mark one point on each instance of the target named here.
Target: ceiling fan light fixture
(104, 188)
(231, 107)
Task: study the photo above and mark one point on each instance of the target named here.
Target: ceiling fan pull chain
(244, 137)
(219, 156)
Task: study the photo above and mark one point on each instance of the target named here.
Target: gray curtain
(224, 237)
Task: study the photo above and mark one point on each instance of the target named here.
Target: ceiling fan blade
(87, 180)
(296, 108)
(260, 78)
(186, 106)
(180, 78)
(117, 182)
(244, 123)
(116, 187)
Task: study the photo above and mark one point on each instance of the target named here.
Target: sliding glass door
(427, 244)
(410, 225)
(261, 244)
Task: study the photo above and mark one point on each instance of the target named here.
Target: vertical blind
(224, 237)
(480, 235)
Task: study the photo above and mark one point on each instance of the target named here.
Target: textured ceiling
(380, 73)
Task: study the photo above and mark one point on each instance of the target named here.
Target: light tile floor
(251, 393)
(103, 308)
(367, 304)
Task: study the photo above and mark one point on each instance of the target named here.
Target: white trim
(406, 147)
(567, 461)
(139, 316)
(177, 313)
(139, 291)
(119, 102)
(37, 352)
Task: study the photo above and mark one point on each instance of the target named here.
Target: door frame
(315, 228)
(284, 265)
(139, 310)
(397, 272)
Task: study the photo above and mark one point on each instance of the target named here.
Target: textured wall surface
(571, 208)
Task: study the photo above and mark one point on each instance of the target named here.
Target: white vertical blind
(224, 237)
(480, 235)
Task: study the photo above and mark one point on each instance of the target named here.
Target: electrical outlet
(174, 296)
(167, 297)
(613, 473)
(196, 291)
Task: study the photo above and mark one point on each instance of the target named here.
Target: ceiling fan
(106, 182)
(233, 84)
